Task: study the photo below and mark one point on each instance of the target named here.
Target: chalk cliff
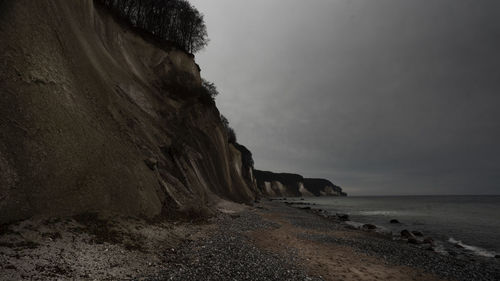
(95, 117)
(293, 185)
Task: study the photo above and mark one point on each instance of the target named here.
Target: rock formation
(293, 185)
(95, 117)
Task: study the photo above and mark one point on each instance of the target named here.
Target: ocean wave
(476, 250)
(440, 249)
(389, 213)
(378, 213)
(359, 225)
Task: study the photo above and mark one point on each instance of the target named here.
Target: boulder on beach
(417, 233)
(343, 217)
(394, 221)
(369, 226)
(407, 234)
(429, 240)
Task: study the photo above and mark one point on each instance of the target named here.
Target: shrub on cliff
(175, 21)
(210, 88)
(231, 135)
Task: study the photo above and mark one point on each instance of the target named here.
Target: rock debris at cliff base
(89, 247)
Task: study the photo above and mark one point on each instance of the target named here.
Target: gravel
(228, 255)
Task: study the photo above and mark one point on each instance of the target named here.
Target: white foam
(390, 213)
(476, 250)
(378, 213)
(379, 229)
(439, 248)
(354, 224)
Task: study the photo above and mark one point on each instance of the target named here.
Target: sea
(458, 223)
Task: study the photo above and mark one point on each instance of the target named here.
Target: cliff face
(323, 187)
(96, 118)
(282, 184)
(293, 185)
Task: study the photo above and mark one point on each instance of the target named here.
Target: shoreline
(428, 236)
(268, 241)
(381, 246)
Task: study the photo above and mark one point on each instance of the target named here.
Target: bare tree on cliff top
(176, 21)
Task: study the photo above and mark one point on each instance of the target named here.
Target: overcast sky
(382, 97)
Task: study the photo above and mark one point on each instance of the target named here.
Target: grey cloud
(381, 97)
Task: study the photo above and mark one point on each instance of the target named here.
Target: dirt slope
(95, 118)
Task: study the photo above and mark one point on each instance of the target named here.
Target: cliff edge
(95, 117)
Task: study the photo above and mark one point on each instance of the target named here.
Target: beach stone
(417, 233)
(343, 217)
(301, 203)
(497, 257)
(369, 226)
(234, 216)
(429, 240)
(414, 241)
(407, 234)
(394, 221)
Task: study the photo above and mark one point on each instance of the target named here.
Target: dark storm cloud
(382, 97)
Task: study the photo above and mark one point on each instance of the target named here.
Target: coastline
(331, 232)
(461, 226)
(268, 241)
